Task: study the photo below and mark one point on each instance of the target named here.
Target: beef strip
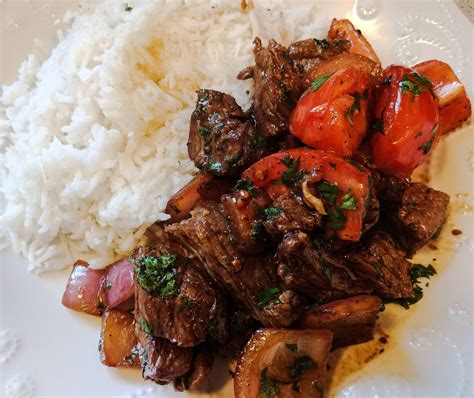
(307, 267)
(389, 189)
(242, 325)
(183, 317)
(161, 360)
(373, 210)
(351, 320)
(422, 213)
(246, 278)
(200, 369)
(243, 210)
(306, 54)
(383, 265)
(277, 87)
(222, 140)
(374, 266)
(291, 214)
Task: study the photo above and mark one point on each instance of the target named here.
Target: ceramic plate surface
(49, 351)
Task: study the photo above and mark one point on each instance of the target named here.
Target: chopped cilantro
(291, 175)
(246, 185)
(426, 147)
(322, 43)
(203, 131)
(419, 134)
(292, 346)
(215, 166)
(414, 83)
(269, 296)
(328, 191)
(300, 366)
(318, 83)
(145, 326)
(268, 387)
(336, 219)
(416, 272)
(355, 105)
(348, 201)
(271, 212)
(256, 230)
(128, 8)
(156, 274)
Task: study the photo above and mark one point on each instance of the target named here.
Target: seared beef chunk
(201, 367)
(351, 320)
(421, 215)
(381, 263)
(289, 213)
(277, 87)
(242, 325)
(307, 267)
(243, 210)
(161, 360)
(221, 138)
(373, 210)
(389, 189)
(248, 279)
(174, 298)
(306, 54)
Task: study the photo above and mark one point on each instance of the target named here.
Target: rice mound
(93, 139)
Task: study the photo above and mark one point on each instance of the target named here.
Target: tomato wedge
(332, 114)
(406, 126)
(345, 174)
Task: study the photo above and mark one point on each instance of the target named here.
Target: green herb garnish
(414, 83)
(300, 366)
(203, 131)
(269, 296)
(328, 191)
(256, 230)
(145, 326)
(318, 83)
(292, 346)
(416, 272)
(348, 201)
(156, 274)
(336, 219)
(246, 185)
(322, 43)
(272, 212)
(215, 166)
(128, 8)
(291, 175)
(426, 147)
(355, 105)
(268, 387)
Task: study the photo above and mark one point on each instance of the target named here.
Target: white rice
(93, 145)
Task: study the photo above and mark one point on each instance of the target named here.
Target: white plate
(49, 351)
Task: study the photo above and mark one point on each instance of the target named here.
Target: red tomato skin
(332, 167)
(322, 118)
(410, 122)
